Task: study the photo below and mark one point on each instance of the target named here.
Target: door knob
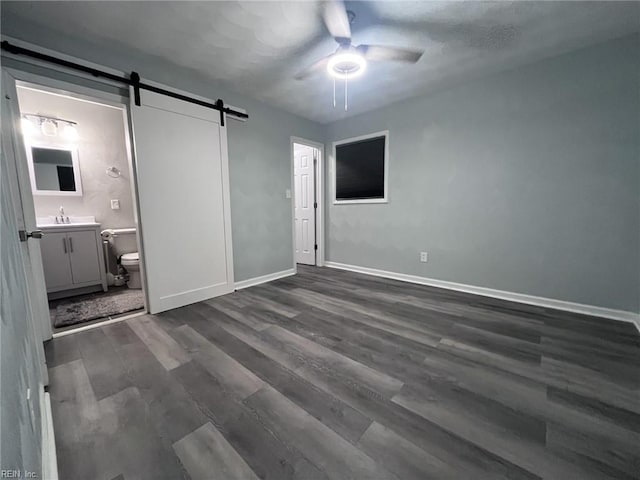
(24, 235)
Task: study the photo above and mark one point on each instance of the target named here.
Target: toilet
(123, 241)
(131, 263)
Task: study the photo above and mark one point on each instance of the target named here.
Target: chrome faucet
(62, 217)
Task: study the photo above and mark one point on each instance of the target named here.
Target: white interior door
(23, 373)
(21, 351)
(25, 213)
(304, 197)
(183, 190)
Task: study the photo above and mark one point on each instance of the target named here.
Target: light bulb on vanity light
(70, 132)
(49, 128)
(27, 126)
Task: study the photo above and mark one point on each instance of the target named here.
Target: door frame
(60, 87)
(318, 174)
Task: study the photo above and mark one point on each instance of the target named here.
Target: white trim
(383, 133)
(264, 279)
(133, 182)
(98, 324)
(49, 455)
(319, 180)
(593, 310)
(226, 200)
(39, 83)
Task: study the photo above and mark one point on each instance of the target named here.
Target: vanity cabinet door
(55, 260)
(84, 255)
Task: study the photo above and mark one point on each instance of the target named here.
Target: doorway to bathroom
(308, 220)
(80, 174)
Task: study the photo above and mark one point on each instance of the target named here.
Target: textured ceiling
(256, 48)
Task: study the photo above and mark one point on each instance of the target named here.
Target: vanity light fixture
(70, 132)
(48, 125)
(28, 128)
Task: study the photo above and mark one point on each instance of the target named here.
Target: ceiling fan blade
(336, 19)
(313, 68)
(379, 53)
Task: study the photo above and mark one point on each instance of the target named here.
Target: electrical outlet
(115, 204)
(424, 257)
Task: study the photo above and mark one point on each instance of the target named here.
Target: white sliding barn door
(183, 190)
(304, 193)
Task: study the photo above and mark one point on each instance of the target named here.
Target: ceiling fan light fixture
(346, 65)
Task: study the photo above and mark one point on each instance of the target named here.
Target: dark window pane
(360, 169)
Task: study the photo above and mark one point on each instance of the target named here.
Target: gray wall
(259, 151)
(101, 144)
(526, 181)
(260, 163)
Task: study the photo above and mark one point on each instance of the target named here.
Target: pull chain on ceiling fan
(346, 81)
(349, 62)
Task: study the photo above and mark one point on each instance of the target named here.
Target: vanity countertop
(68, 225)
(50, 222)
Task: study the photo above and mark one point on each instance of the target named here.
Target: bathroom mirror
(54, 170)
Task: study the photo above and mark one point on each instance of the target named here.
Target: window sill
(353, 202)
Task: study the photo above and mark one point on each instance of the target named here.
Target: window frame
(385, 199)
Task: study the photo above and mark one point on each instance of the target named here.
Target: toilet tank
(122, 240)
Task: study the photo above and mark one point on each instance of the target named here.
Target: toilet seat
(130, 259)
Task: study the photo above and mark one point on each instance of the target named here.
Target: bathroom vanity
(72, 257)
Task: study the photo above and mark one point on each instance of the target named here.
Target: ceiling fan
(349, 61)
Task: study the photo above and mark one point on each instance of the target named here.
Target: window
(360, 169)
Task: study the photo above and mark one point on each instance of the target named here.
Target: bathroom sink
(87, 220)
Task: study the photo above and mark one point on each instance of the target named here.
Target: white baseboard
(502, 294)
(264, 278)
(49, 456)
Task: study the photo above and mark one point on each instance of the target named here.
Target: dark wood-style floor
(331, 374)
